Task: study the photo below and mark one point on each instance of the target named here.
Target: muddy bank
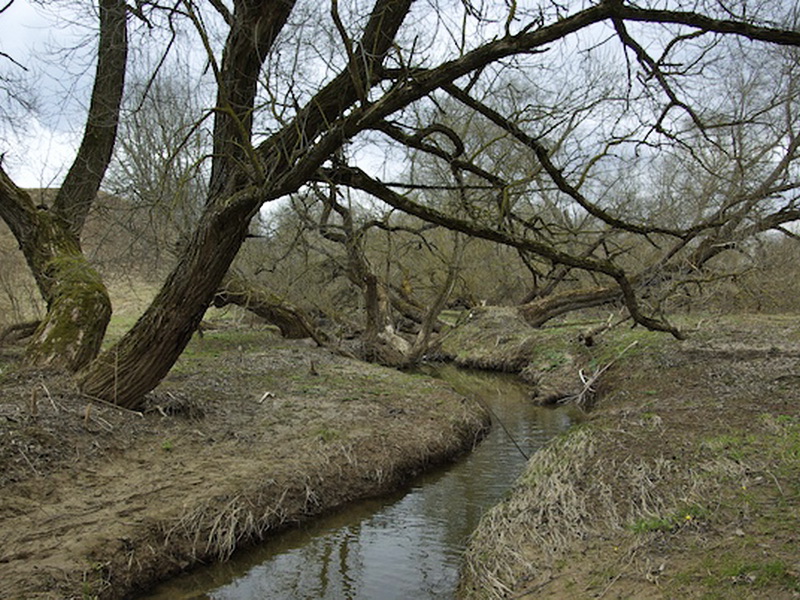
(683, 483)
(248, 435)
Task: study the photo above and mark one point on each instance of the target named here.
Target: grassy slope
(685, 483)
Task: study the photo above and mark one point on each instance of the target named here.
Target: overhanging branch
(356, 178)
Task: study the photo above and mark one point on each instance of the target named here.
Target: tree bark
(78, 306)
(291, 321)
(146, 353)
(82, 182)
(540, 311)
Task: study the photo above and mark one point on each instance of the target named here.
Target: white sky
(40, 151)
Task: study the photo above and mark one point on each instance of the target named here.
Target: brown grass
(688, 466)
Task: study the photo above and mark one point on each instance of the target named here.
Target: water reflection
(405, 546)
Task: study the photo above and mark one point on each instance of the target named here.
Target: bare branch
(654, 70)
(223, 11)
(543, 155)
(83, 179)
(417, 141)
(783, 37)
(357, 178)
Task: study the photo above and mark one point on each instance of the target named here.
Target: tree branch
(83, 179)
(357, 178)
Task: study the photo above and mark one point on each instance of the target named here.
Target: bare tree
(269, 142)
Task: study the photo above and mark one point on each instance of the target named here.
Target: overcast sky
(40, 151)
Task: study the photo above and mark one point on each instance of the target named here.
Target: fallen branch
(585, 396)
(112, 405)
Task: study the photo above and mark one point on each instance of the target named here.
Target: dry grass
(221, 464)
(570, 497)
(683, 484)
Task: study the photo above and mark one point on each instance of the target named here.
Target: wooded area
(350, 170)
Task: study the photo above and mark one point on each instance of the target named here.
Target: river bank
(248, 435)
(407, 544)
(682, 483)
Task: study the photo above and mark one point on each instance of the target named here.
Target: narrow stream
(407, 545)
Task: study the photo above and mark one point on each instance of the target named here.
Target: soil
(249, 434)
(683, 482)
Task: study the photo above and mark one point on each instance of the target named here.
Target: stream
(406, 545)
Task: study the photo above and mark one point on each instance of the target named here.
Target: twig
(102, 422)
(620, 574)
(112, 405)
(27, 460)
(588, 382)
(33, 408)
(49, 396)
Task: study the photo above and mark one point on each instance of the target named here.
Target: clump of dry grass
(571, 497)
(217, 527)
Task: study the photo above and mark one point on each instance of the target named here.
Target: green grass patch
(624, 344)
(327, 435)
(671, 522)
(730, 571)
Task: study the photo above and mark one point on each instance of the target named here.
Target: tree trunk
(422, 343)
(78, 306)
(286, 160)
(78, 313)
(412, 311)
(139, 361)
(382, 344)
(289, 319)
(538, 312)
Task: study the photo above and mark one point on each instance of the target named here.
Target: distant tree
(159, 160)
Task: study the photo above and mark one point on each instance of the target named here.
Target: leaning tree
(305, 90)
(78, 306)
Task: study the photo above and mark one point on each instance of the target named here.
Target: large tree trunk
(540, 311)
(278, 166)
(146, 353)
(78, 306)
(78, 310)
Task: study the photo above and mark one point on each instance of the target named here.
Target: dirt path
(238, 443)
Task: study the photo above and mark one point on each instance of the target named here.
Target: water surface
(407, 545)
